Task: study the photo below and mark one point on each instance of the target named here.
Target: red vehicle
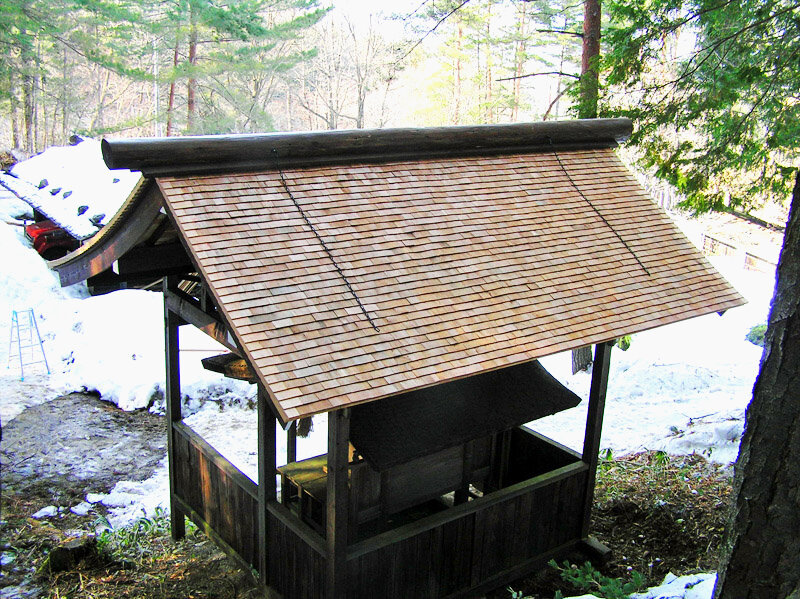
(50, 240)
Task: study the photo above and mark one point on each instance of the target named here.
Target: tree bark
(15, 136)
(581, 358)
(587, 109)
(192, 83)
(457, 90)
(28, 112)
(171, 100)
(761, 557)
(519, 60)
(587, 106)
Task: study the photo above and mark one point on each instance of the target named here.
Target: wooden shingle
(463, 264)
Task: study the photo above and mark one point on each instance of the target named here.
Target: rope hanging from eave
(593, 207)
(321, 240)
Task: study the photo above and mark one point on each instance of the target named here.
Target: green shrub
(756, 335)
(588, 579)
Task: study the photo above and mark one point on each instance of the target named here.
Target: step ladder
(24, 341)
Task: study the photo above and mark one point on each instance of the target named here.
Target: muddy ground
(659, 513)
(79, 444)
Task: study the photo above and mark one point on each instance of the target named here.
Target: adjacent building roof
(72, 186)
(348, 277)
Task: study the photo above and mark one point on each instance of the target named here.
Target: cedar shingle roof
(464, 264)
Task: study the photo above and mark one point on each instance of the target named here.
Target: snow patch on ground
(131, 500)
(50, 511)
(694, 586)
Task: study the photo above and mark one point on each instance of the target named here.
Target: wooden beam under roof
(138, 216)
(189, 309)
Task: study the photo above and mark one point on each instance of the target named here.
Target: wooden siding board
(209, 485)
(456, 554)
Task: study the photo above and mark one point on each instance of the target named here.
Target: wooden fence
(473, 546)
(216, 495)
(457, 552)
(716, 247)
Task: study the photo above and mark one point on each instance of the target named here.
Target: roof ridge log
(263, 152)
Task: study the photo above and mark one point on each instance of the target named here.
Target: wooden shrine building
(403, 281)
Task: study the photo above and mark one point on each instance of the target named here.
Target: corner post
(291, 442)
(291, 456)
(266, 478)
(338, 503)
(172, 400)
(594, 426)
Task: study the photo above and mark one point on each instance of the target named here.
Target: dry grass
(658, 513)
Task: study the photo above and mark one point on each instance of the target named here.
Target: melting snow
(72, 186)
(681, 388)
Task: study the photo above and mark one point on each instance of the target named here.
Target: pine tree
(227, 56)
(721, 121)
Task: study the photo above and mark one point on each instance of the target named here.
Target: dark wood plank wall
(298, 569)
(216, 491)
(487, 541)
(477, 544)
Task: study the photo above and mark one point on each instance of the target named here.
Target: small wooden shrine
(404, 282)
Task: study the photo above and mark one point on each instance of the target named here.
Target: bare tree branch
(556, 99)
(560, 32)
(559, 73)
(434, 28)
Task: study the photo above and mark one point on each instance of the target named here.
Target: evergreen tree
(227, 55)
(720, 121)
(98, 66)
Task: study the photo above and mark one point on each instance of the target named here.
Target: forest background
(143, 68)
(712, 85)
(704, 81)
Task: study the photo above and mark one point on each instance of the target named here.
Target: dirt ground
(79, 444)
(658, 513)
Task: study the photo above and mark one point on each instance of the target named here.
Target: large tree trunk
(761, 558)
(587, 109)
(581, 358)
(590, 58)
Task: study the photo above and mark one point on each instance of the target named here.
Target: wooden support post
(291, 443)
(594, 426)
(461, 494)
(172, 399)
(338, 503)
(291, 456)
(266, 478)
